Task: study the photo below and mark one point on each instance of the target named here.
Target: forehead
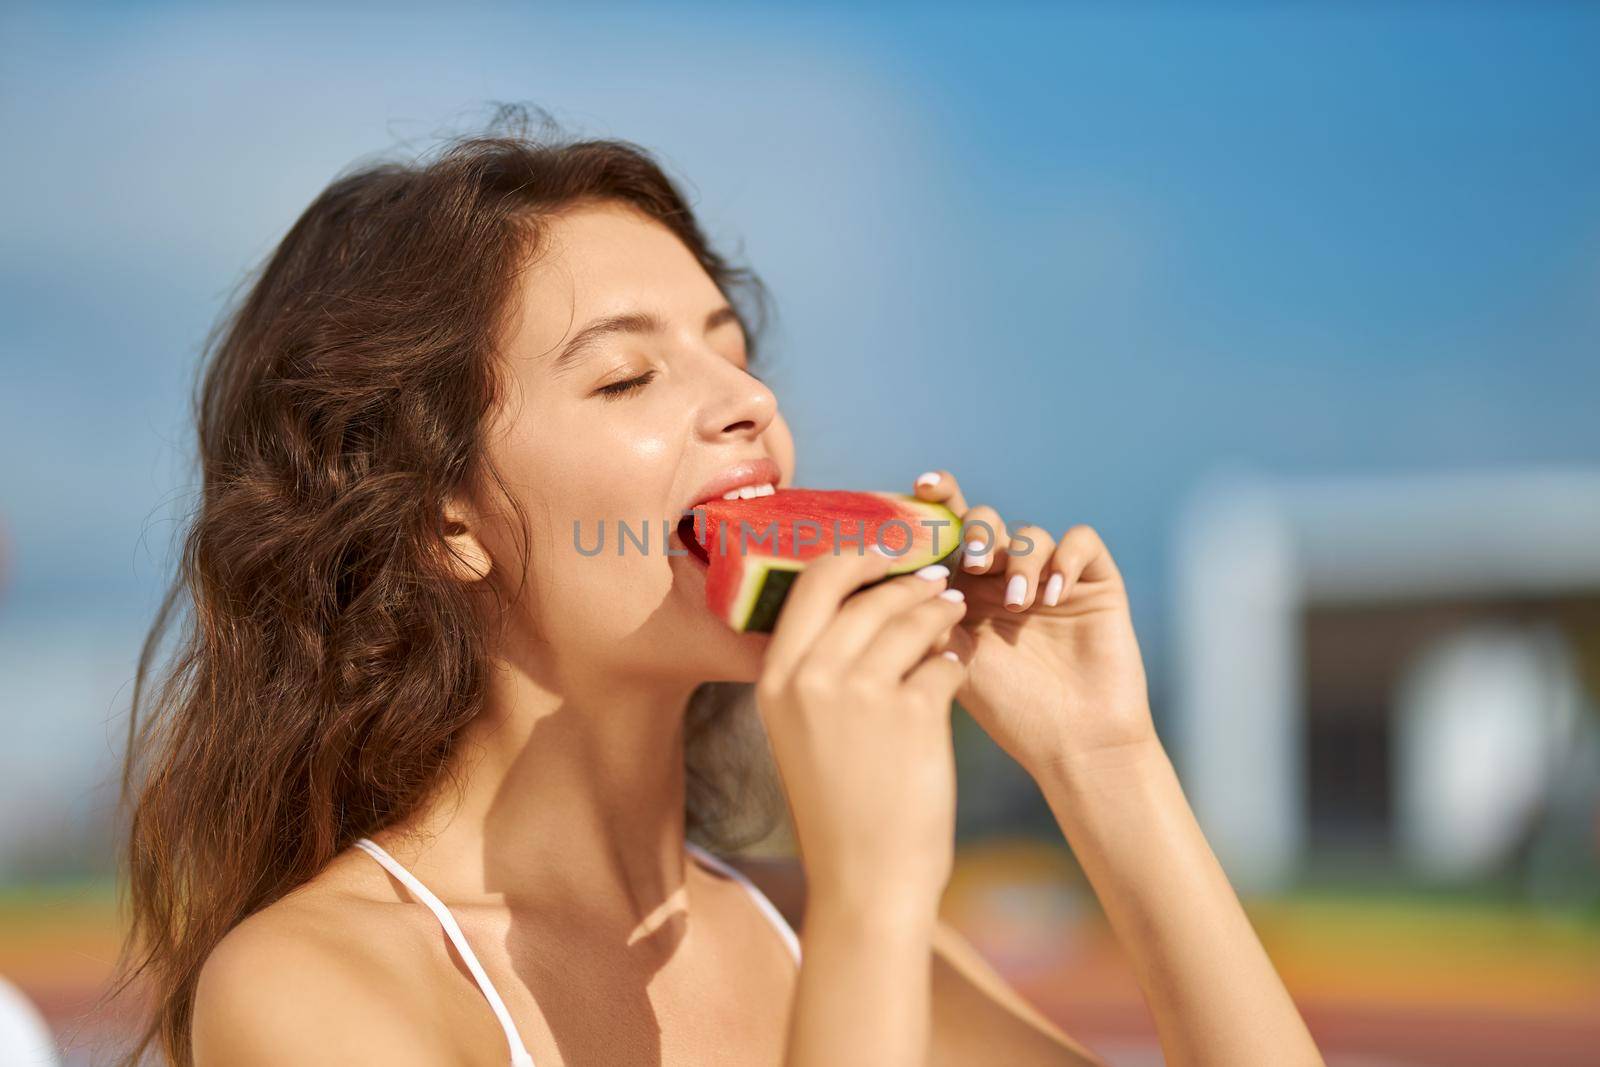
(606, 259)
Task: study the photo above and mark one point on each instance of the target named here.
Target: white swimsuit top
(519, 1052)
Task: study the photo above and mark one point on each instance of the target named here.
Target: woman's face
(628, 396)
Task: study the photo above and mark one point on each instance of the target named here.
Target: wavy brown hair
(329, 662)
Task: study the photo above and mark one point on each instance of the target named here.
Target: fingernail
(928, 478)
(1052, 590)
(955, 596)
(1016, 589)
(933, 572)
(951, 656)
(974, 557)
(879, 549)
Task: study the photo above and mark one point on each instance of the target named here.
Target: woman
(420, 786)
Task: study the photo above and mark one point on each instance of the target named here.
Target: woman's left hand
(1055, 675)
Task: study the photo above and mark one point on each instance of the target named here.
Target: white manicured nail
(928, 478)
(974, 556)
(951, 656)
(955, 596)
(1052, 590)
(1017, 589)
(933, 572)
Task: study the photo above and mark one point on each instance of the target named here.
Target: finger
(906, 638)
(1080, 556)
(814, 600)
(938, 677)
(984, 533)
(940, 486)
(954, 636)
(1030, 548)
(958, 641)
(866, 612)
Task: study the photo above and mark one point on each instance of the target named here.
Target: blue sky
(1081, 256)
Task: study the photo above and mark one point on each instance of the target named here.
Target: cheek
(596, 494)
(603, 545)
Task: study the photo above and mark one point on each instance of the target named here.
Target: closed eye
(632, 385)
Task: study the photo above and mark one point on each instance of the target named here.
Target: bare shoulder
(291, 984)
(978, 1017)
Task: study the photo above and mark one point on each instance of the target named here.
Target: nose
(737, 405)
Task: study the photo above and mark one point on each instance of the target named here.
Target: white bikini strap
(520, 1056)
(771, 912)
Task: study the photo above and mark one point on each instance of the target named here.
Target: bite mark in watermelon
(754, 549)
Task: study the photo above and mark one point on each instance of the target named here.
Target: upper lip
(745, 472)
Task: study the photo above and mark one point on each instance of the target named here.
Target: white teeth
(749, 492)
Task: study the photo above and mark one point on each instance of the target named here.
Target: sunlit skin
(562, 855)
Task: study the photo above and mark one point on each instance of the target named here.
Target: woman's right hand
(855, 696)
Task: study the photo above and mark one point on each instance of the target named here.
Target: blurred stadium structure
(1415, 661)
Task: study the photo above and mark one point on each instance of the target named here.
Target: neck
(570, 795)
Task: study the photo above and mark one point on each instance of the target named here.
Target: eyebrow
(637, 322)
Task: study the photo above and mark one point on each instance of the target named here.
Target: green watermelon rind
(767, 581)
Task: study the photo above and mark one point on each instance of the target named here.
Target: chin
(699, 645)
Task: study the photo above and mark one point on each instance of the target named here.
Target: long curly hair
(328, 662)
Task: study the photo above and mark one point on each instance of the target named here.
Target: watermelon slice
(754, 549)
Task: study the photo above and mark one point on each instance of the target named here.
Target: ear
(468, 560)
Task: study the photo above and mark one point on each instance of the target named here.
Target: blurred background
(1296, 305)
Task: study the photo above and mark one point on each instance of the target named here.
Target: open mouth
(686, 532)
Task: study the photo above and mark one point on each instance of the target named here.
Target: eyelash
(621, 389)
(617, 390)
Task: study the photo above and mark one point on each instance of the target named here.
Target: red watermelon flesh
(754, 549)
